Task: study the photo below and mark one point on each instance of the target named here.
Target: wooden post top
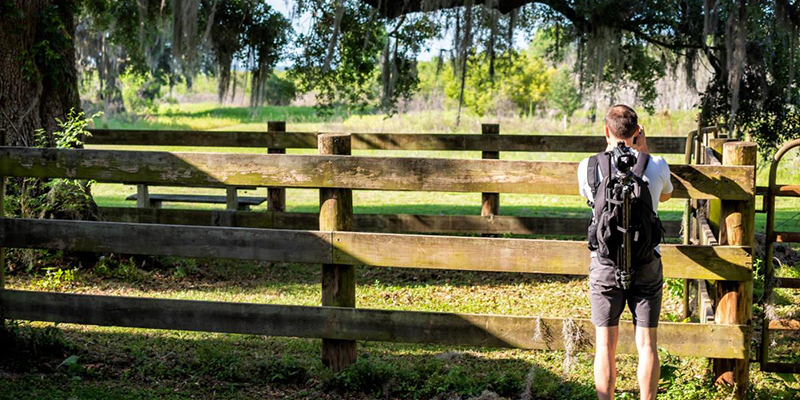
(490, 129)
(334, 143)
(739, 153)
(276, 126)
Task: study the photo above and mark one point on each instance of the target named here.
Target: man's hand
(641, 141)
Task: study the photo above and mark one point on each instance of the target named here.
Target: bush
(280, 91)
(564, 97)
(140, 93)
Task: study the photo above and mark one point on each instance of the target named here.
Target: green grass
(143, 363)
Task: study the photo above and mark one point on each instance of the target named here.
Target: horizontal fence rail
(682, 339)
(384, 223)
(371, 173)
(374, 141)
(355, 248)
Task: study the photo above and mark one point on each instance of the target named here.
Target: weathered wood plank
(384, 223)
(136, 137)
(525, 255)
(372, 141)
(681, 339)
(378, 173)
(377, 249)
(199, 198)
(784, 325)
(520, 143)
(168, 240)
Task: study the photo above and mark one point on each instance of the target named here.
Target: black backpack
(605, 229)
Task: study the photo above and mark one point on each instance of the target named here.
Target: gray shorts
(643, 298)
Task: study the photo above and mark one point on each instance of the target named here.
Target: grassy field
(139, 363)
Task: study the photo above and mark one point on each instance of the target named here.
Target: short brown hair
(622, 121)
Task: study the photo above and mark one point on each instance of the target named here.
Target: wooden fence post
(276, 197)
(143, 197)
(714, 206)
(2, 250)
(490, 201)
(338, 281)
(735, 299)
(231, 198)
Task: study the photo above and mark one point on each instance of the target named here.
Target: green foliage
(73, 129)
(674, 287)
(52, 198)
(55, 278)
(134, 37)
(280, 91)
(527, 82)
(379, 378)
(563, 95)
(140, 92)
(9, 9)
(73, 367)
(185, 267)
(122, 268)
(520, 78)
(480, 93)
(285, 370)
(676, 386)
(340, 69)
(254, 35)
(51, 47)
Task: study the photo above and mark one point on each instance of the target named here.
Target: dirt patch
(783, 252)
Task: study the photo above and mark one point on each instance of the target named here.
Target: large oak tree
(38, 77)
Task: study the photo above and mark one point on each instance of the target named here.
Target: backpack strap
(641, 164)
(602, 161)
(591, 177)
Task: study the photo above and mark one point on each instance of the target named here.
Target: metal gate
(770, 322)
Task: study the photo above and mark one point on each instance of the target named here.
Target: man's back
(656, 175)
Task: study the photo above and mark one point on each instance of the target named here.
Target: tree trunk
(39, 84)
(38, 76)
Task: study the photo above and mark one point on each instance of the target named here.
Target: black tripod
(624, 273)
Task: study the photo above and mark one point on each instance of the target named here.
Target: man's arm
(666, 191)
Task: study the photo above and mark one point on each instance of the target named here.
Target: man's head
(622, 123)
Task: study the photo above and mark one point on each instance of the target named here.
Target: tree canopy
(750, 47)
(173, 40)
(364, 52)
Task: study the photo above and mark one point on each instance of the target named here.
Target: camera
(623, 158)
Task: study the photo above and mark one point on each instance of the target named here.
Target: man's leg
(649, 368)
(605, 365)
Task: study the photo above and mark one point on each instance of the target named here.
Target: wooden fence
(277, 140)
(339, 249)
(725, 222)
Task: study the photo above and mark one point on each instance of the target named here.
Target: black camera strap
(641, 164)
(602, 160)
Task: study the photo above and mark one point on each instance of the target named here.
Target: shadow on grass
(210, 275)
(153, 364)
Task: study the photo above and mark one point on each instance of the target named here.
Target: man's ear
(608, 134)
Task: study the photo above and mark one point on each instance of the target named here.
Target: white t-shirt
(656, 175)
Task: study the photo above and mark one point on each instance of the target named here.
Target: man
(644, 296)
